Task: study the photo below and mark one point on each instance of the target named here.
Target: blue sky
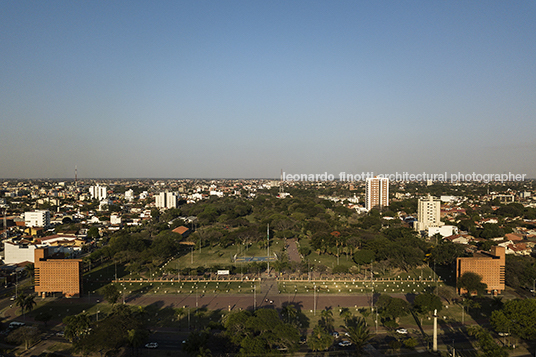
(246, 88)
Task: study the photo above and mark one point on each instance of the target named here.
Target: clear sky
(175, 89)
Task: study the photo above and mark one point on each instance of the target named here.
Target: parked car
(402, 331)
(151, 345)
(335, 334)
(345, 343)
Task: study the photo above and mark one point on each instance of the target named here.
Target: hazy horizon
(244, 89)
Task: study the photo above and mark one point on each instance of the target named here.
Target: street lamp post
(314, 300)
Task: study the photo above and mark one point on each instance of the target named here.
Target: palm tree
(326, 319)
(136, 337)
(20, 302)
(346, 314)
(204, 352)
(29, 302)
(29, 270)
(320, 339)
(290, 313)
(358, 333)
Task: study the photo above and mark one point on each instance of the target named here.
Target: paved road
(292, 251)
(237, 302)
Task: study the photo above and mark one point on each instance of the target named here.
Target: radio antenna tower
(281, 191)
(75, 177)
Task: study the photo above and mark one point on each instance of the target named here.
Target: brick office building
(489, 265)
(57, 275)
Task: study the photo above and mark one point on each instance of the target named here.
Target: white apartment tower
(129, 195)
(98, 192)
(377, 193)
(40, 218)
(166, 200)
(428, 213)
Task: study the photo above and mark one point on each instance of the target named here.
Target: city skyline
(238, 89)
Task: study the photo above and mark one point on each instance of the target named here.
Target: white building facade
(39, 218)
(167, 200)
(428, 213)
(98, 192)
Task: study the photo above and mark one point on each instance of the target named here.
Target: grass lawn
(188, 287)
(219, 256)
(349, 287)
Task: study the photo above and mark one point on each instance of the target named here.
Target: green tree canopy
(472, 283)
(392, 308)
(427, 303)
(517, 317)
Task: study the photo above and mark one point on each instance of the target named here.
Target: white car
(402, 331)
(345, 343)
(151, 345)
(335, 334)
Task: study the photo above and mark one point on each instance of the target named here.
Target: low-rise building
(57, 275)
(489, 265)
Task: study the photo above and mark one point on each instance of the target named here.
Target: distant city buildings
(377, 193)
(39, 218)
(129, 195)
(167, 200)
(428, 213)
(503, 198)
(98, 192)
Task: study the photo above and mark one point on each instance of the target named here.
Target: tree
(486, 342)
(29, 269)
(260, 332)
(392, 308)
(24, 334)
(517, 317)
(290, 313)
(447, 292)
(364, 256)
(326, 319)
(136, 337)
(358, 332)
(111, 293)
(25, 302)
(93, 233)
(346, 314)
(471, 283)
(320, 339)
(427, 303)
(76, 326)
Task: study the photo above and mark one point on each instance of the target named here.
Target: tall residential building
(489, 265)
(166, 200)
(39, 218)
(377, 193)
(98, 192)
(428, 213)
(129, 195)
(57, 275)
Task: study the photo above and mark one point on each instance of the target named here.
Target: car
(345, 343)
(60, 334)
(335, 334)
(303, 340)
(402, 331)
(503, 334)
(151, 345)
(12, 298)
